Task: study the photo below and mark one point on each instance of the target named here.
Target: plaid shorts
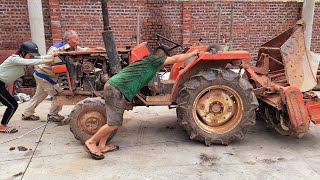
(116, 103)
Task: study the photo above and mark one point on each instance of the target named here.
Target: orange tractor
(214, 104)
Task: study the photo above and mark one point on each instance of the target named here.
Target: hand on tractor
(53, 55)
(180, 57)
(196, 52)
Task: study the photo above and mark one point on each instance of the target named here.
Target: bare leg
(103, 141)
(103, 132)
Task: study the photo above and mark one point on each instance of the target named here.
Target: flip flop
(112, 148)
(9, 130)
(94, 156)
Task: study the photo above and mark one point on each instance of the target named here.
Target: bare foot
(93, 148)
(110, 148)
(3, 127)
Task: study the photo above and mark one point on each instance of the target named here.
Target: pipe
(138, 26)
(109, 42)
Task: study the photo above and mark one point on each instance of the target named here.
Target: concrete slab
(13, 169)
(153, 146)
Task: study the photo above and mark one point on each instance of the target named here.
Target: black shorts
(116, 103)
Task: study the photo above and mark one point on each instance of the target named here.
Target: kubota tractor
(214, 104)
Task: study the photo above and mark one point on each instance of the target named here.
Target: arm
(42, 60)
(90, 49)
(180, 57)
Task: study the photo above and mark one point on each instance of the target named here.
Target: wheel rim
(91, 121)
(218, 109)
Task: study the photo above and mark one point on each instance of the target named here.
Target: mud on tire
(216, 106)
(87, 117)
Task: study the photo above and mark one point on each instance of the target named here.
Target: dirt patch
(268, 161)
(250, 162)
(170, 127)
(12, 148)
(22, 148)
(209, 160)
(64, 122)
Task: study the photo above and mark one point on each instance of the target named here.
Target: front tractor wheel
(87, 117)
(216, 106)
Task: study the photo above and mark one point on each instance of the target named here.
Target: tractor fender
(181, 72)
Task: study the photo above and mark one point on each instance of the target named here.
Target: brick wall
(253, 23)
(182, 21)
(14, 24)
(315, 45)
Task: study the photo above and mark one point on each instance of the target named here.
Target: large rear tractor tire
(216, 106)
(87, 117)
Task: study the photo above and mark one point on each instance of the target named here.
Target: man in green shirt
(120, 90)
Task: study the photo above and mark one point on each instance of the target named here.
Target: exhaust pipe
(109, 42)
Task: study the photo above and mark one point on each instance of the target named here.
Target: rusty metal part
(155, 100)
(87, 67)
(263, 66)
(275, 118)
(273, 76)
(67, 100)
(298, 62)
(218, 109)
(296, 109)
(88, 52)
(310, 95)
(91, 121)
(215, 107)
(313, 107)
(160, 98)
(276, 95)
(104, 78)
(287, 53)
(273, 100)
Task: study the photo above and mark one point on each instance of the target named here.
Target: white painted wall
(37, 24)
(307, 15)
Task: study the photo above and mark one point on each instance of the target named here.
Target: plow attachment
(285, 75)
(300, 64)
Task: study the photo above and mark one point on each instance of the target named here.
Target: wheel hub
(91, 121)
(216, 107)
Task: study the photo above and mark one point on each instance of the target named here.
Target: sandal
(9, 130)
(93, 155)
(111, 148)
(30, 118)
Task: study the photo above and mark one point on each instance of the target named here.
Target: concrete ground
(153, 146)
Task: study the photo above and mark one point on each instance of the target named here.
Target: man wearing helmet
(10, 70)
